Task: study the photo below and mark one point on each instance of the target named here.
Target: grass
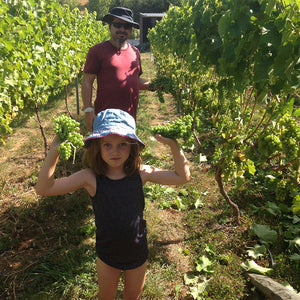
(47, 243)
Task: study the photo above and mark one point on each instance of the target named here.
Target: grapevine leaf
(204, 264)
(10, 81)
(169, 190)
(179, 204)
(251, 166)
(261, 69)
(295, 257)
(296, 219)
(296, 113)
(257, 251)
(270, 6)
(294, 243)
(290, 106)
(198, 203)
(183, 192)
(262, 95)
(252, 267)
(198, 290)
(190, 279)
(264, 233)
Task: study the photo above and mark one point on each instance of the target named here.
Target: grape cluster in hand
(180, 128)
(67, 130)
(163, 84)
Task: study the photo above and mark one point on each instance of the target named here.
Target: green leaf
(198, 203)
(190, 279)
(296, 219)
(270, 6)
(198, 290)
(261, 68)
(296, 113)
(294, 243)
(295, 257)
(272, 208)
(252, 267)
(290, 106)
(204, 264)
(251, 167)
(262, 95)
(257, 251)
(10, 81)
(183, 192)
(169, 190)
(264, 233)
(179, 204)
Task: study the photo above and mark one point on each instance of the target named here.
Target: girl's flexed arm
(48, 186)
(181, 172)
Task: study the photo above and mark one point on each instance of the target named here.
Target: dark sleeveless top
(120, 228)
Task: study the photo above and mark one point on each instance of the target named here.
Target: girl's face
(115, 150)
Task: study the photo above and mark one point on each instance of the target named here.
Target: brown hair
(92, 158)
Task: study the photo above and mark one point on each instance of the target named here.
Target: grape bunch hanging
(180, 128)
(290, 137)
(67, 130)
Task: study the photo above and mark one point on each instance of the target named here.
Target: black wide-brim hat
(114, 121)
(122, 13)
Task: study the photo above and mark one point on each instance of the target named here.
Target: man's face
(120, 31)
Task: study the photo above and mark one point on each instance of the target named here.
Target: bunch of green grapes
(67, 130)
(229, 168)
(296, 205)
(281, 190)
(180, 128)
(290, 137)
(163, 84)
(269, 144)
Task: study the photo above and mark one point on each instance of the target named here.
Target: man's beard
(121, 40)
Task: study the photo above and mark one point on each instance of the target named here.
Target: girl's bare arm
(180, 174)
(47, 185)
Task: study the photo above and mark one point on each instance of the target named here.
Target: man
(117, 66)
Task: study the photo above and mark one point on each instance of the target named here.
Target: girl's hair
(92, 158)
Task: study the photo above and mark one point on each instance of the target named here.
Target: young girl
(114, 181)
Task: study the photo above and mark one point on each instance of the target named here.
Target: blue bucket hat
(113, 121)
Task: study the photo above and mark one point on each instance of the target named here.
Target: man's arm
(145, 85)
(87, 94)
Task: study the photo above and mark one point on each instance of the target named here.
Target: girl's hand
(55, 143)
(165, 140)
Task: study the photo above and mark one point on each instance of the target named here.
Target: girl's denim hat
(113, 121)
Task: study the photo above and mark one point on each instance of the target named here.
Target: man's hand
(89, 120)
(87, 93)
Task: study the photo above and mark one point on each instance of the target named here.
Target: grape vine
(42, 48)
(234, 65)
